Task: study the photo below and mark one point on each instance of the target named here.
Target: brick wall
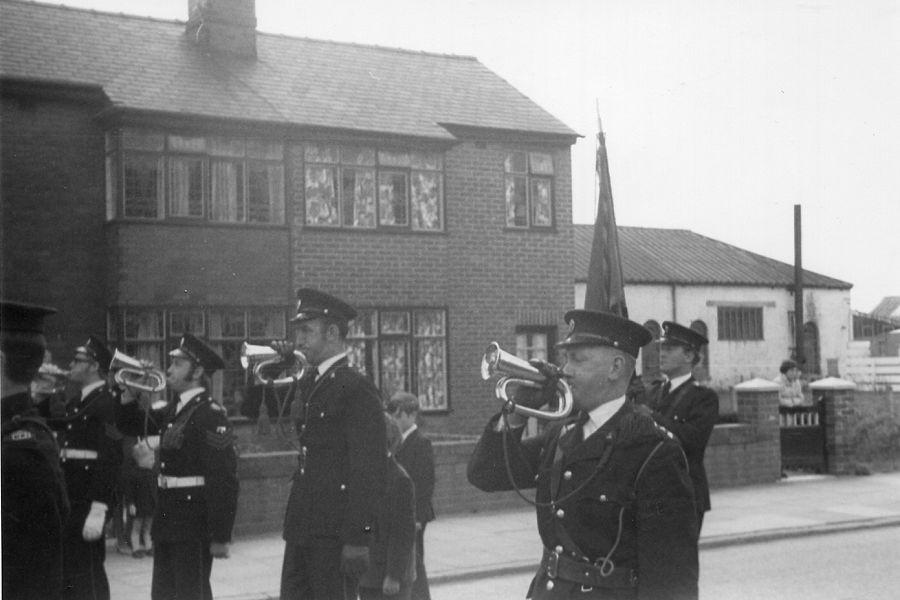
(490, 279)
(53, 213)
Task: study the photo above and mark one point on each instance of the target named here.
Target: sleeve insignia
(21, 435)
(220, 440)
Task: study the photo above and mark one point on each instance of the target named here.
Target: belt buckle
(162, 482)
(552, 567)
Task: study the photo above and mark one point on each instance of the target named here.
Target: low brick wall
(736, 455)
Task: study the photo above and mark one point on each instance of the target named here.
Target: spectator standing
(416, 456)
(683, 406)
(790, 388)
(339, 483)
(35, 506)
(615, 503)
(393, 555)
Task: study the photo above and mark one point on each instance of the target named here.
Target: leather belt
(167, 481)
(558, 566)
(75, 453)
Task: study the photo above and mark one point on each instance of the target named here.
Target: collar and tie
(574, 435)
(666, 388)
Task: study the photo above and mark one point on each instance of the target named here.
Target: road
(860, 565)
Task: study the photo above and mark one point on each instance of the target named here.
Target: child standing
(392, 552)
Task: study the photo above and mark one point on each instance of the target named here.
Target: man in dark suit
(615, 504)
(339, 482)
(90, 449)
(683, 406)
(34, 500)
(416, 456)
(197, 483)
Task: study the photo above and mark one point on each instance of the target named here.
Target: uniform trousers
(313, 572)
(84, 577)
(181, 570)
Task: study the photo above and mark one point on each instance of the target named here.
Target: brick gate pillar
(837, 396)
(757, 406)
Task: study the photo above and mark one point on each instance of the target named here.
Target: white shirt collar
(186, 396)
(328, 363)
(600, 415)
(676, 382)
(408, 432)
(91, 387)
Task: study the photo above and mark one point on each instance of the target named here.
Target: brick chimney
(223, 26)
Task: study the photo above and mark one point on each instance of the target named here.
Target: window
(529, 189)
(740, 323)
(225, 180)
(361, 188)
(403, 349)
(152, 332)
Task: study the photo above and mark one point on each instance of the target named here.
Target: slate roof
(657, 256)
(150, 64)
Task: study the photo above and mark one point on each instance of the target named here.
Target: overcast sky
(719, 115)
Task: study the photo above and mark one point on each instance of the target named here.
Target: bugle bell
(134, 374)
(257, 358)
(515, 371)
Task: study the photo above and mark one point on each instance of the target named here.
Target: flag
(605, 285)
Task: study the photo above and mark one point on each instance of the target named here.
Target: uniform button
(550, 585)
(69, 426)
(567, 475)
(86, 467)
(162, 465)
(559, 549)
(537, 477)
(303, 428)
(343, 487)
(169, 426)
(367, 528)
(322, 415)
(602, 497)
(188, 496)
(560, 513)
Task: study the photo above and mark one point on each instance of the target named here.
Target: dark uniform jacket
(593, 505)
(89, 425)
(690, 412)
(198, 441)
(394, 544)
(34, 502)
(338, 485)
(416, 456)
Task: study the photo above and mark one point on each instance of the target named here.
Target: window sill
(194, 223)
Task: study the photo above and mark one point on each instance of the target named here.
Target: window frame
(340, 159)
(414, 344)
(256, 154)
(740, 323)
(532, 176)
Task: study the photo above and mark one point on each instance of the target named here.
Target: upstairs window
(362, 188)
(226, 180)
(529, 189)
(740, 323)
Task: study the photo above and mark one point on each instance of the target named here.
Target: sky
(719, 115)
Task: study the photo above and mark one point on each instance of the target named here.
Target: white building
(742, 301)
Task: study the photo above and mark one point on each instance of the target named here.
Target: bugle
(515, 371)
(257, 358)
(134, 374)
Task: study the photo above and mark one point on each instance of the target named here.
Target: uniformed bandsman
(197, 482)
(90, 451)
(34, 500)
(338, 486)
(683, 406)
(615, 505)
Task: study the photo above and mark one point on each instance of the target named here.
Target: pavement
(468, 546)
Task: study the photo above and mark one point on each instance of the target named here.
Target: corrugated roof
(667, 256)
(151, 65)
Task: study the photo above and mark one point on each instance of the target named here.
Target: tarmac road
(855, 565)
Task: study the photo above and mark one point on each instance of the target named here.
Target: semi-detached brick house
(161, 177)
